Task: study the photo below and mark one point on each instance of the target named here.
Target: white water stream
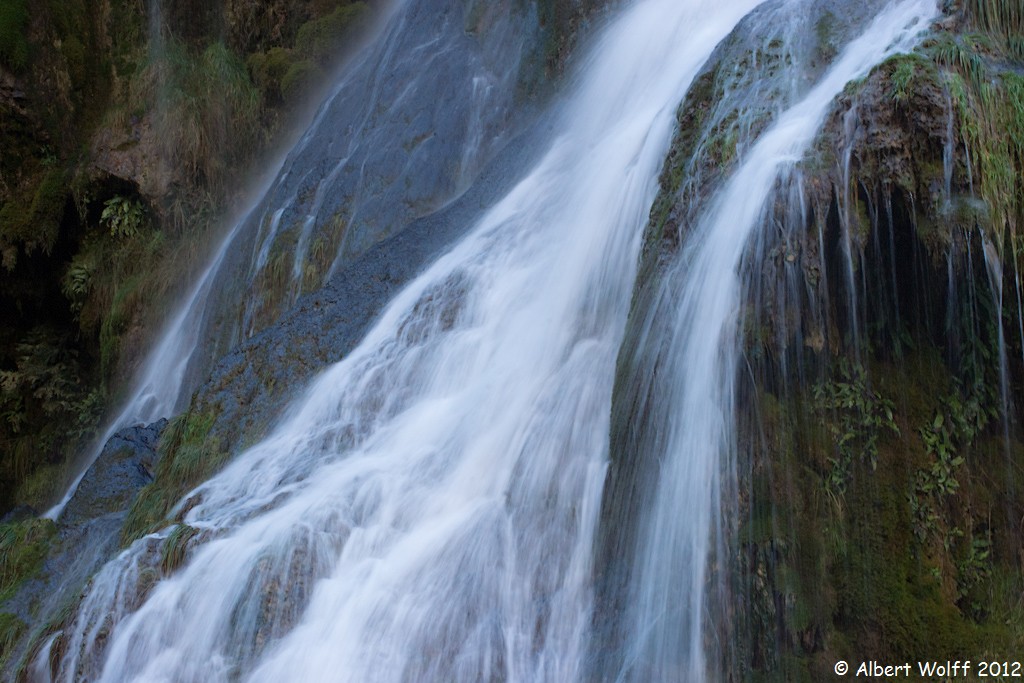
(426, 511)
(696, 404)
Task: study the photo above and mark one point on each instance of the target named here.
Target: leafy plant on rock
(859, 417)
(124, 217)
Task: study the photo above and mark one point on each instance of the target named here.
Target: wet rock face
(882, 171)
(126, 464)
(408, 129)
(85, 537)
(889, 173)
(251, 384)
(893, 139)
(772, 58)
(135, 155)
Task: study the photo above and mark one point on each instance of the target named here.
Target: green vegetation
(175, 548)
(11, 629)
(711, 125)
(23, 547)
(207, 113)
(188, 456)
(880, 517)
(88, 258)
(123, 216)
(14, 34)
(1002, 18)
(938, 480)
(43, 388)
(906, 67)
(859, 417)
(989, 102)
(284, 73)
(848, 575)
(32, 221)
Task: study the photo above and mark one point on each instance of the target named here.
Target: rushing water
(666, 628)
(427, 510)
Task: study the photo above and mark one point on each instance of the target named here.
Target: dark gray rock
(125, 465)
(19, 514)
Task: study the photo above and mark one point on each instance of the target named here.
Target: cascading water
(427, 510)
(691, 335)
(320, 187)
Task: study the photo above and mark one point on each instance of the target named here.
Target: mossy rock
(301, 75)
(322, 39)
(32, 220)
(268, 70)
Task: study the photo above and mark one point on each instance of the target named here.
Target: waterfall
(320, 188)
(426, 510)
(692, 332)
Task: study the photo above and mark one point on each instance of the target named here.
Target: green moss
(842, 577)
(291, 73)
(825, 31)
(32, 221)
(40, 488)
(23, 547)
(14, 34)
(321, 39)
(298, 79)
(888, 591)
(75, 55)
(690, 118)
(268, 70)
(123, 309)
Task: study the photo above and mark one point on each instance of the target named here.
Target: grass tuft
(23, 546)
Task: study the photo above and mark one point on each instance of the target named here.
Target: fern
(124, 217)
